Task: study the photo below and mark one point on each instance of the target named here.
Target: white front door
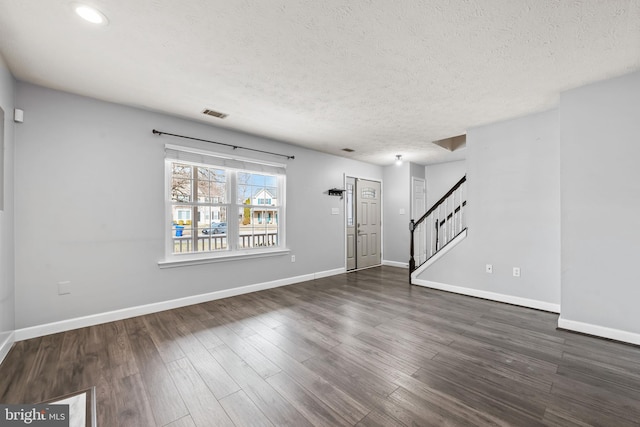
(368, 226)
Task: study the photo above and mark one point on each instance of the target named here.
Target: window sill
(197, 260)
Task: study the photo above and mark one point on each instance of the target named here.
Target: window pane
(212, 231)
(368, 193)
(216, 184)
(181, 182)
(204, 232)
(244, 196)
(204, 191)
(252, 178)
(182, 228)
(204, 174)
(203, 218)
(272, 194)
(350, 210)
(181, 190)
(218, 192)
(257, 189)
(181, 170)
(182, 214)
(259, 227)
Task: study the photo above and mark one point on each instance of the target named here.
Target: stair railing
(442, 223)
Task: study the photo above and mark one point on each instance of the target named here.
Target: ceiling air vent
(214, 113)
(348, 150)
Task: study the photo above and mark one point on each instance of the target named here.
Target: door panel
(364, 249)
(374, 210)
(364, 214)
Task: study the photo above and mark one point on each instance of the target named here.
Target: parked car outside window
(216, 228)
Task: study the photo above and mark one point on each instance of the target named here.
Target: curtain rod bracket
(235, 147)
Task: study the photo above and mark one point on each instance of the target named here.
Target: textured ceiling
(382, 77)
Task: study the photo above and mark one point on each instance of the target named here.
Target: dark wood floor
(356, 349)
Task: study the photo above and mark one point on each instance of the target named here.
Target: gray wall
(89, 197)
(441, 177)
(600, 151)
(90, 202)
(416, 170)
(396, 199)
(7, 293)
(513, 211)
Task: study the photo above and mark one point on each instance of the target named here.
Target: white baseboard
(395, 264)
(509, 299)
(6, 345)
(599, 331)
(328, 273)
(125, 313)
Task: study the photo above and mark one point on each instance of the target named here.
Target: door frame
(413, 201)
(344, 185)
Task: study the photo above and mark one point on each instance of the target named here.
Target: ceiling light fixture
(90, 14)
(398, 159)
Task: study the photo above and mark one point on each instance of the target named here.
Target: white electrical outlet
(293, 258)
(489, 268)
(516, 271)
(64, 288)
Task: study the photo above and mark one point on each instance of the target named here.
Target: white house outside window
(219, 206)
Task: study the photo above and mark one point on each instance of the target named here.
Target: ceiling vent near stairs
(214, 113)
(454, 143)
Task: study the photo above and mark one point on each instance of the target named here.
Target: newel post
(412, 261)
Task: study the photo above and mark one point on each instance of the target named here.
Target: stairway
(441, 228)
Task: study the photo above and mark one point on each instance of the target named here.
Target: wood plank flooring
(361, 349)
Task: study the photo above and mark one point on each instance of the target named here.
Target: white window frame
(234, 165)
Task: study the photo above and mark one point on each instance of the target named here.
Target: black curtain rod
(235, 147)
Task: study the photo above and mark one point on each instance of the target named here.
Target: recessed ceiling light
(90, 14)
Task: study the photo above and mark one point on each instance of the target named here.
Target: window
(350, 206)
(219, 206)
